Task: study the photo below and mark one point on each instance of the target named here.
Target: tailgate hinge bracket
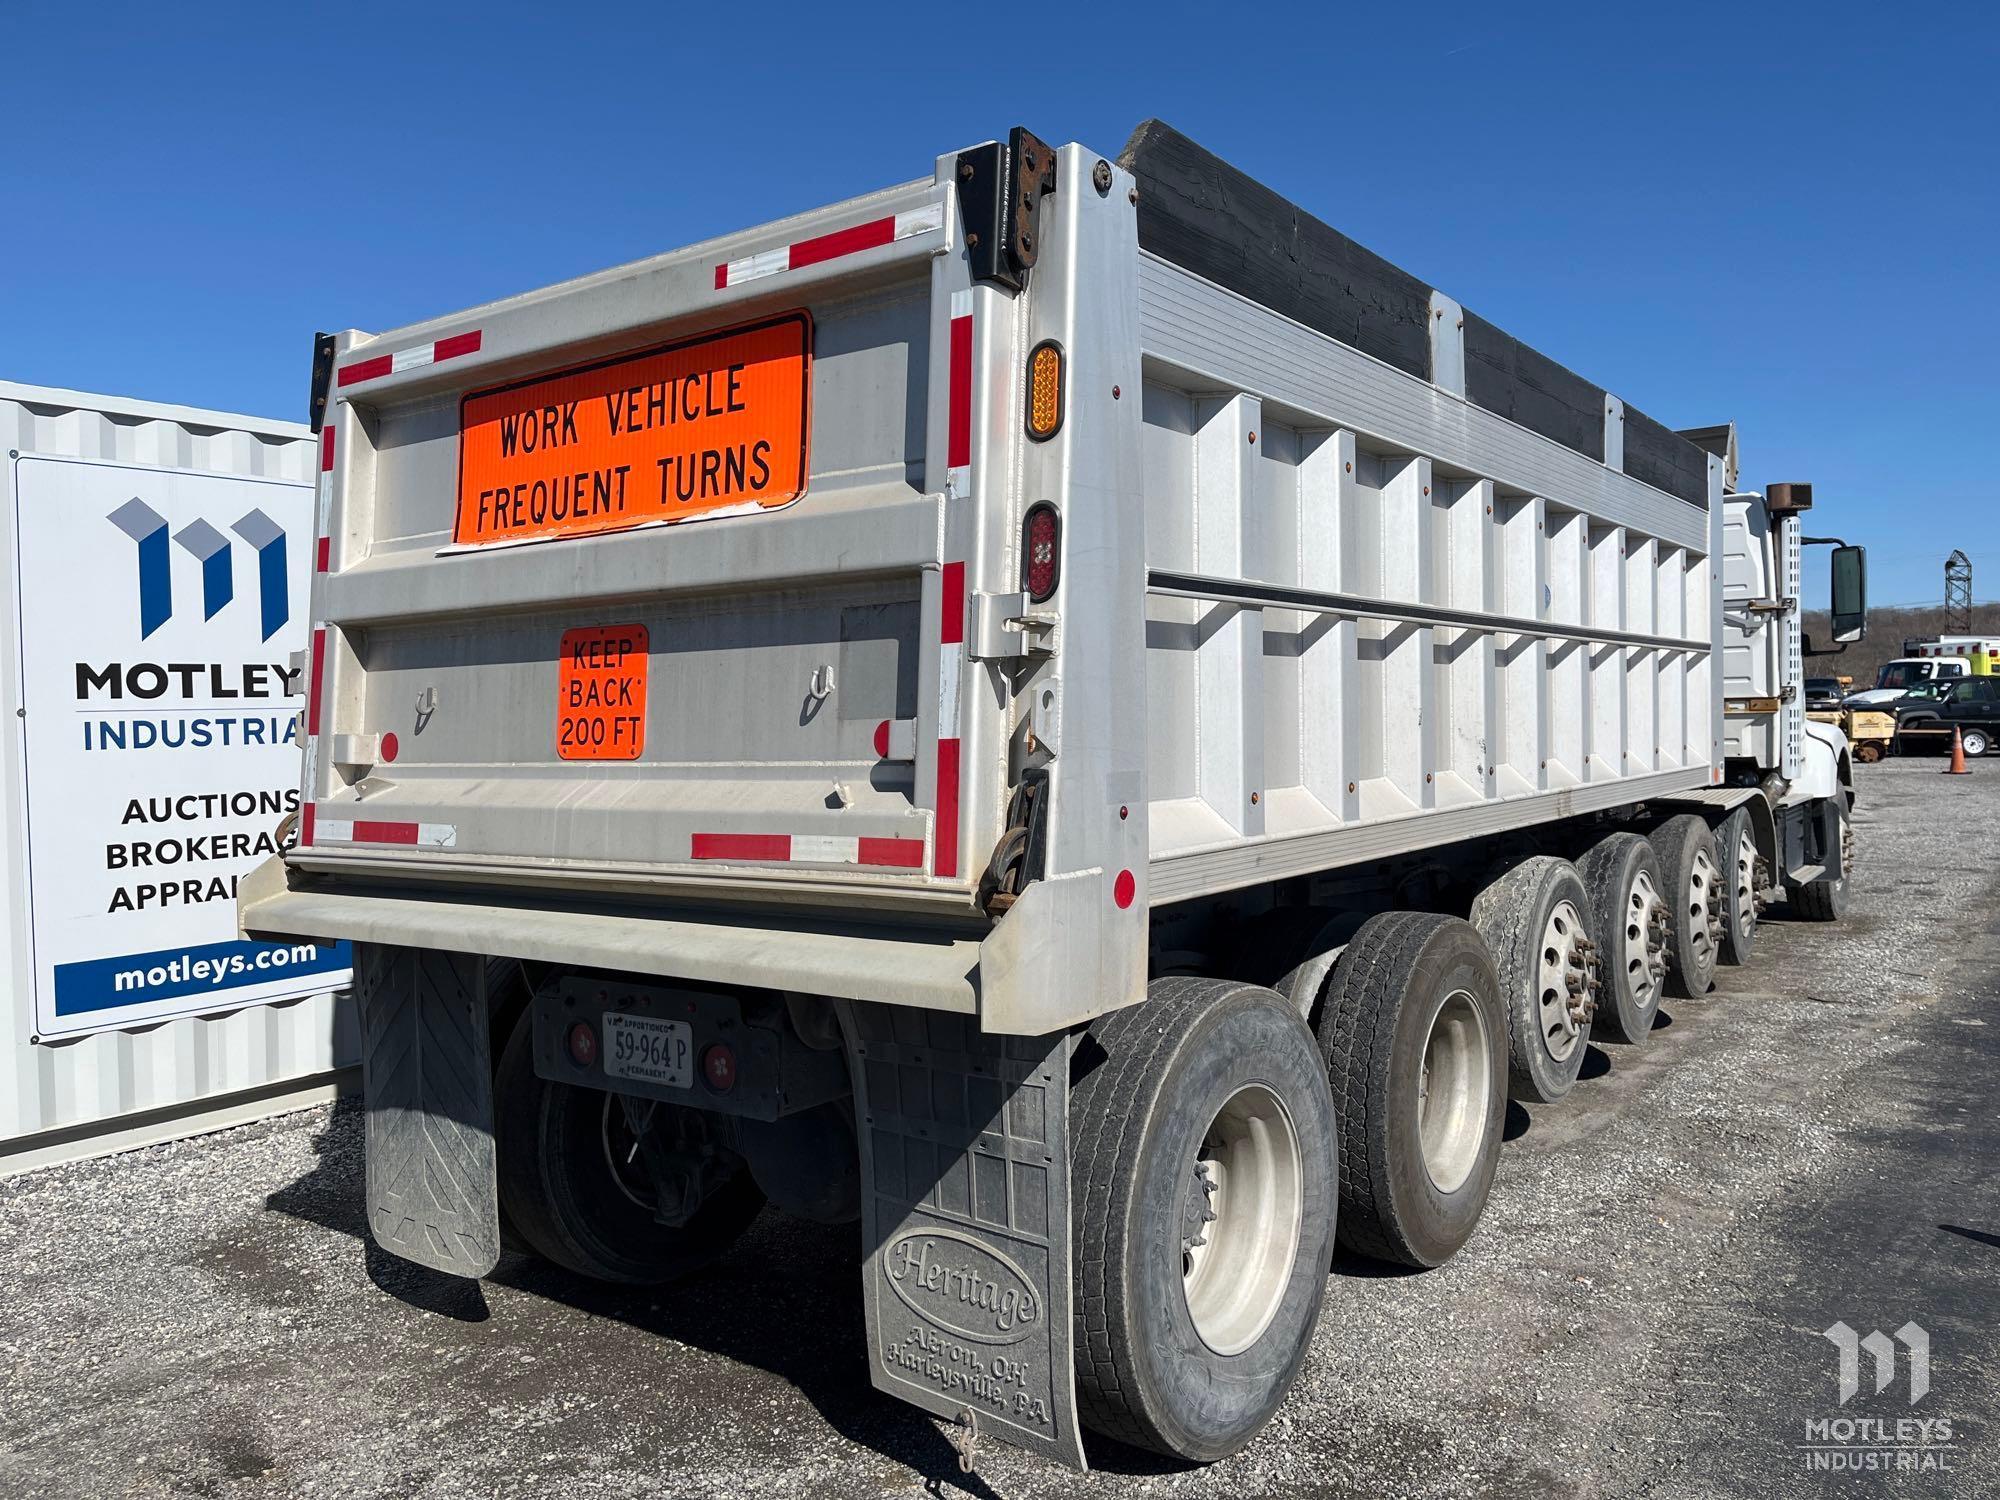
(999, 189)
(322, 381)
(1005, 627)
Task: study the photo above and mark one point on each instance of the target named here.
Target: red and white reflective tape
(319, 832)
(315, 675)
(376, 366)
(951, 667)
(958, 422)
(855, 238)
(809, 849)
(322, 542)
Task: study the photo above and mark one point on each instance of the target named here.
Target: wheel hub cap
(1454, 1092)
(1645, 941)
(1241, 1217)
(1566, 981)
(1702, 906)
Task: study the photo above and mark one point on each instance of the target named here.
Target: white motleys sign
(158, 613)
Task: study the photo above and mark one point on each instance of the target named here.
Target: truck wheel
(1825, 900)
(1415, 1040)
(574, 1184)
(1736, 843)
(1532, 919)
(1691, 879)
(1622, 875)
(1202, 1159)
(1975, 742)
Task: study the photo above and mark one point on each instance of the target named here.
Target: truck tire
(576, 1204)
(1825, 900)
(1975, 741)
(1202, 1162)
(1622, 874)
(1736, 846)
(1533, 921)
(1414, 1035)
(1691, 880)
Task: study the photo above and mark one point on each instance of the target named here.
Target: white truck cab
(1905, 672)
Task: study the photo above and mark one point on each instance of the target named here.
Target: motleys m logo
(1850, 1345)
(264, 536)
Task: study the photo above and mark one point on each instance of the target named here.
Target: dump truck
(1063, 711)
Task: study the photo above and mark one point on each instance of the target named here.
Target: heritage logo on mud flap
(956, 1283)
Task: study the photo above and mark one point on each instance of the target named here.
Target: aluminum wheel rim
(1454, 1091)
(1560, 958)
(1643, 946)
(1698, 902)
(1745, 872)
(1248, 1208)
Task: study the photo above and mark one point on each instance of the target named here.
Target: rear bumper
(1052, 961)
(902, 964)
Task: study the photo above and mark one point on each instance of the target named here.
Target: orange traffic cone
(1958, 766)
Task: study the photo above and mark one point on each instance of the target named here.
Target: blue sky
(1787, 218)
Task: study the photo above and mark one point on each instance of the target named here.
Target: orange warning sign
(601, 693)
(717, 423)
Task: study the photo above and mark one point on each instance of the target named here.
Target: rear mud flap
(427, 1075)
(965, 1187)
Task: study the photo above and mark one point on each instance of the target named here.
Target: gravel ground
(1639, 1314)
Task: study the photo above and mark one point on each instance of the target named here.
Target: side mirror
(1850, 594)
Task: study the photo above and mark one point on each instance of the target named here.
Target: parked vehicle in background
(1824, 692)
(1970, 706)
(989, 710)
(1906, 672)
(1982, 651)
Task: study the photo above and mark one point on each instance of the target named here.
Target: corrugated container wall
(59, 1098)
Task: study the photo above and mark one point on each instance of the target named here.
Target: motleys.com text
(216, 971)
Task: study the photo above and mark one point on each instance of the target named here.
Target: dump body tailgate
(639, 578)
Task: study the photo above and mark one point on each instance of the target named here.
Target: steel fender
(1065, 953)
(1819, 767)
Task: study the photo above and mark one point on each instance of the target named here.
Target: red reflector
(390, 746)
(1041, 552)
(582, 1044)
(1123, 889)
(325, 448)
(882, 740)
(718, 1066)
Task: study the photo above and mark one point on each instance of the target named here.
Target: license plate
(649, 1050)
(711, 426)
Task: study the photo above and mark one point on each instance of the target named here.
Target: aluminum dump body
(674, 619)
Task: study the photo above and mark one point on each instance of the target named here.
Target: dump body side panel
(1382, 618)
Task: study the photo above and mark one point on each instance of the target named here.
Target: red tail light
(582, 1044)
(1041, 551)
(718, 1066)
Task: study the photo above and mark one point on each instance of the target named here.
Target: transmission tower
(1958, 592)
